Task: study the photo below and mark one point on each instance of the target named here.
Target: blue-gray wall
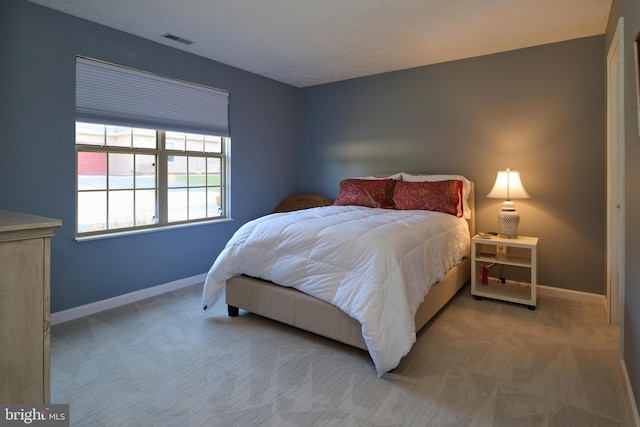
(37, 154)
(540, 111)
(630, 11)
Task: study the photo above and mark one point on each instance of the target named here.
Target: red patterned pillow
(441, 196)
(373, 193)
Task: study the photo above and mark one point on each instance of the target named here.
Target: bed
(266, 271)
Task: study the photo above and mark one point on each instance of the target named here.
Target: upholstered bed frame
(295, 308)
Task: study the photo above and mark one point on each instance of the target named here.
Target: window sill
(148, 230)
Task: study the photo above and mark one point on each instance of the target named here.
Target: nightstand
(511, 269)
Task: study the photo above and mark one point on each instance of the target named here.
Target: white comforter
(376, 265)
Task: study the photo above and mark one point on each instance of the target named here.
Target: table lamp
(508, 186)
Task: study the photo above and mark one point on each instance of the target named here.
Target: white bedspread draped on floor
(376, 265)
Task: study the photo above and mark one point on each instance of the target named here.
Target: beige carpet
(163, 362)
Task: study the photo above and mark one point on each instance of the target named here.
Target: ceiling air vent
(177, 39)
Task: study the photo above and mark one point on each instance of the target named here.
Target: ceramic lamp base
(509, 219)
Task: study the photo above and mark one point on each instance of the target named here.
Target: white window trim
(156, 229)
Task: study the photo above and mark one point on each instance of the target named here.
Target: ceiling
(310, 42)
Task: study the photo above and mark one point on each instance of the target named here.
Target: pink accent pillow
(441, 196)
(372, 193)
(463, 207)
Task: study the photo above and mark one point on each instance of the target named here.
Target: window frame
(162, 155)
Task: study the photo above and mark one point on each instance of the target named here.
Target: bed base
(290, 306)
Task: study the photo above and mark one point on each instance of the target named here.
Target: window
(150, 151)
(131, 178)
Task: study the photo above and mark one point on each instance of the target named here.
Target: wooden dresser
(25, 242)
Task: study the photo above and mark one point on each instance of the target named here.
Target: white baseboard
(631, 399)
(98, 306)
(570, 294)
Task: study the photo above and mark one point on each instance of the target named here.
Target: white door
(615, 175)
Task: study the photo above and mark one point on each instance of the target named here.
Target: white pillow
(394, 176)
(466, 187)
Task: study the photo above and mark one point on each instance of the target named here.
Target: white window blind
(123, 96)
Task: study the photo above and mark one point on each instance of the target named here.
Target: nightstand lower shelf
(516, 292)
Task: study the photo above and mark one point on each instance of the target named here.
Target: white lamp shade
(508, 186)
